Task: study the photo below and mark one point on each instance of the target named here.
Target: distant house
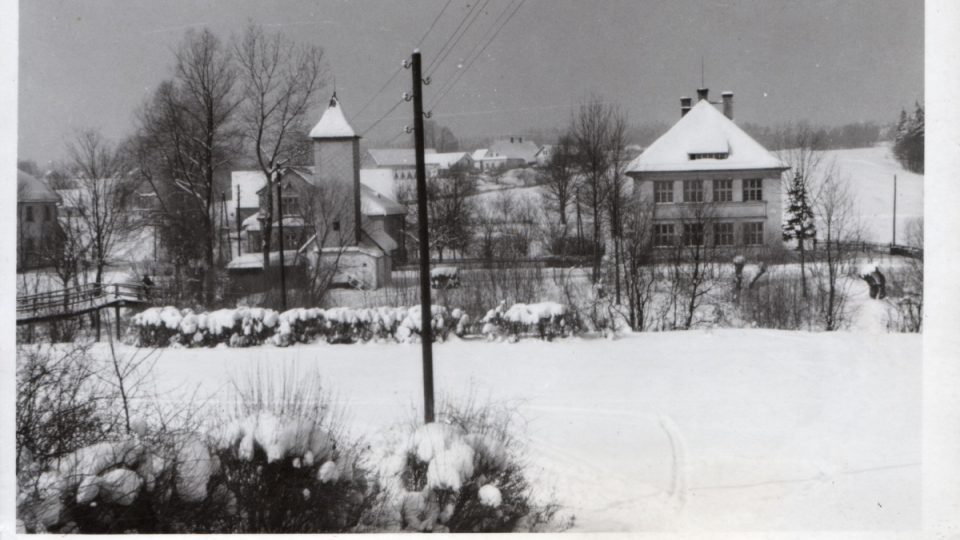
(543, 154)
(402, 161)
(440, 163)
(518, 153)
(483, 160)
(710, 182)
(37, 225)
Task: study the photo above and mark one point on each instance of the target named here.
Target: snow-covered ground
(870, 174)
(723, 429)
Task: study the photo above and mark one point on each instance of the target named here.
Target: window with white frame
(692, 191)
(663, 191)
(723, 234)
(722, 190)
(753, 233)
(753, 189)
(663, 234)
(693, 234)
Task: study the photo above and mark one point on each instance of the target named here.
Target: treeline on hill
(855, 135)
(908, 139)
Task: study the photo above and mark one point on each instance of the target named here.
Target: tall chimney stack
(684, 106)
(728, 104)
(702, 94)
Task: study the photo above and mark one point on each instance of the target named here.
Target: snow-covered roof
(516, 149)
(396, 157)
(479, 154)
(373, 203)
(32, 189)
(252, 223)
(251, 261)
(379, 180)
(704, 130)
(333, 124)
(445, 160)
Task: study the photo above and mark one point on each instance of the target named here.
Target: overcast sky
(90, 64)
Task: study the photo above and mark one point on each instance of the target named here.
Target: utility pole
(239, 230)
(426, 332)
(894, 209)
(283, 270)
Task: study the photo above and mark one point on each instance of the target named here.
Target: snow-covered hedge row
(243, 327)
(546, 320)
(240, 327)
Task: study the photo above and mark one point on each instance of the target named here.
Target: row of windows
(709, 155)
(29, 217)
(722, 190)
(694, 234)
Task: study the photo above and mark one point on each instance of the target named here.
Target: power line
(474, 54)
(438, 61)
(455, 31)
(400, 68)
(443, 92)
(435, 19)
(382, 118)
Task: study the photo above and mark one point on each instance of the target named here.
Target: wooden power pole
(283, 270)
(894, 209)
(426, 331)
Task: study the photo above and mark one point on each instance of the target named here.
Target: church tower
(336, 161)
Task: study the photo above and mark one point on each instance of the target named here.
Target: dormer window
(708, 155)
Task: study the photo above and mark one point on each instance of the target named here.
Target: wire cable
(438, 61)
(446, 88)
(455, 31)
(400, 68)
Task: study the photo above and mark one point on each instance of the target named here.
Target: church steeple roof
(333, 124)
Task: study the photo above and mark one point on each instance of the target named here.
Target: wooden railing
(81, 299)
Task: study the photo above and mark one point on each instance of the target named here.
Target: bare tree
(840, 230)
(618, 196)
(639, 275)
(560, 175)
(691, 270)
(594, 129)
(102, 199)
(279, 80)
(186, 134)
(327, 209)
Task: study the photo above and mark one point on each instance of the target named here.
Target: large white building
(710, 183)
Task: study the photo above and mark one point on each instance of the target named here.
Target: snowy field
(723, 429)
(870, 174)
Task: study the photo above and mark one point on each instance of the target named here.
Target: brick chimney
(684, 106)
(702, 94)
(511, 140)
(728, 104)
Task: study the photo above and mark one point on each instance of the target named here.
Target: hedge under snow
(243, 326)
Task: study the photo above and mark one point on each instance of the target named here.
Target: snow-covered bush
(462, 473)
(546, 320)
(286, 462)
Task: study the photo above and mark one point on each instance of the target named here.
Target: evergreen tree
(908, 144)
(800, 224)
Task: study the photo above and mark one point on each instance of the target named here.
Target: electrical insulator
(406, 63)
(407, 129)
(426, 81)
(407, 96)
(428, 114)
